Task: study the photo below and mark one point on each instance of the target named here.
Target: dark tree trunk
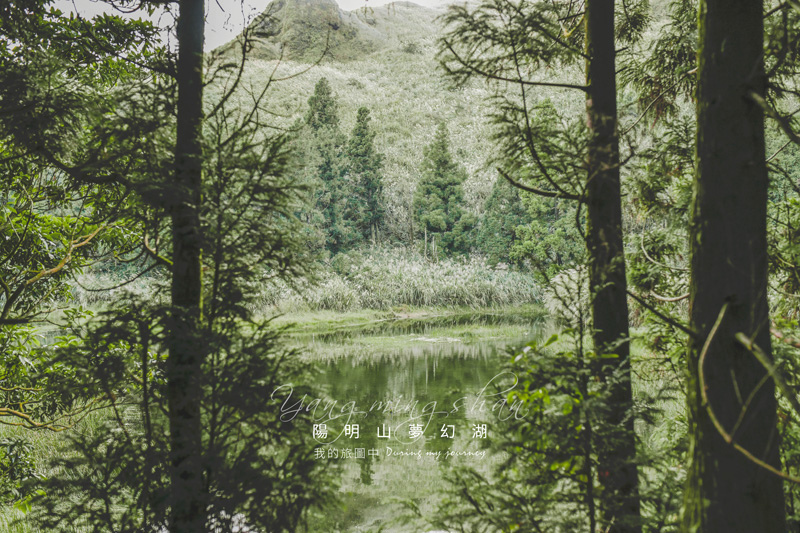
(726, 491)
(187, 500)
(617, 469)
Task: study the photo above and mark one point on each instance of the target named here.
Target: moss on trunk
(726, 491)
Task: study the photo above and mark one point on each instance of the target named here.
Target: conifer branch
(537, 191)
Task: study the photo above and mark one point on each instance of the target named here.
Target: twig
(669, 298)
(537, 191)
(662, 316)
(712, 416)
(677, 269)
(656, 99)
(779, 150)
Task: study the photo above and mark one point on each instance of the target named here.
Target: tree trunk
(617, 470)
(187, 502)
(725, 490)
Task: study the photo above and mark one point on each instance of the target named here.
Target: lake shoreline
(325, 321)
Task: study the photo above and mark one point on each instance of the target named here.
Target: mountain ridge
(308, 31)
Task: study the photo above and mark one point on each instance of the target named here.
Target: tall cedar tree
(730, 391)
(322, 108)
(365, 166)
(437, 207)
(185, 342)
(170, 471)
(608, 284)
(333, 196)
(506, 43)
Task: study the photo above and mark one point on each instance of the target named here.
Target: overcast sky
(226, 18)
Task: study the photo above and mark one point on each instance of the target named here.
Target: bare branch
(669, 299)
(662, 316)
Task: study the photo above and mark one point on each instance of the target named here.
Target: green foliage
(103, 49)
(122, 138)
(49, 231)
(364, 168)
(256, 465)
(345, 174)
(547, 453)
(438, 199)
(547, 475)
(550, 241)
(57, 87)
(662, 75)
(473, 37)
(632, 20)
(27, 396)
(322, 107)
(660, 187)
(786, 359)
(783, 226)
(16, 468)
(504, 213)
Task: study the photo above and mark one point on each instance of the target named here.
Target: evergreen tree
(185, 341)
(325, 169)
(730, 349)
(619, 476)
(504, 214)
(549, 241)
(516, 45)
(437, 207)
(323, 111)
(365, 166)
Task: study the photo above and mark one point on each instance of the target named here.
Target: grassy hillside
(383, 58)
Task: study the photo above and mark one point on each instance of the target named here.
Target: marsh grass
(385, 278)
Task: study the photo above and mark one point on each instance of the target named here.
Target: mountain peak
(305, 30)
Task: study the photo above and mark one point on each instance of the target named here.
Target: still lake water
(419, 392)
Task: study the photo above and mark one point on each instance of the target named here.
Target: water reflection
(440, 385)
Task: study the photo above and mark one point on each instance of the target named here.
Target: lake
(412, 398)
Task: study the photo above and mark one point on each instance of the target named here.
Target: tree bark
(187, 502)
(617, 469)
(725, 490)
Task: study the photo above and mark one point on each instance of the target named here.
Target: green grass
(327, 321)
(385, 278)
(47, 445)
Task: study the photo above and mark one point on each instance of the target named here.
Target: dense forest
(549, 249)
